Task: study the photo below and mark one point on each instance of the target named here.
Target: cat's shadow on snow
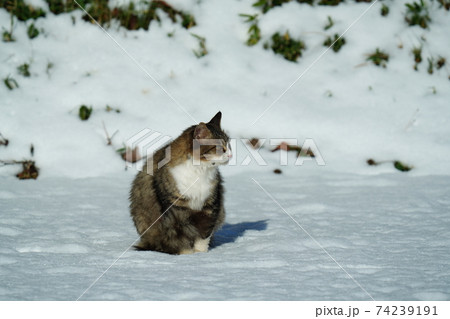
(229, 233)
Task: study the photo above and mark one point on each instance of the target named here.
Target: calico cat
(177, 208)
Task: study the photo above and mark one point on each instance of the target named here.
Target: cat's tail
(142, 247)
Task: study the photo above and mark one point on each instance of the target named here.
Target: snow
(387, 231)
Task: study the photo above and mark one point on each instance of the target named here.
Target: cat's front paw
(202, 245)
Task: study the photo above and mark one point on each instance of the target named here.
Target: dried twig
(4, 163)
(3, 140)
(108, 138)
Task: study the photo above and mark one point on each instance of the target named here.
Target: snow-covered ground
(387, 231)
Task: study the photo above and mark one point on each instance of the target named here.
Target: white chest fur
(186, 174)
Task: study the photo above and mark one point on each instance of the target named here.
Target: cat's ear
(216, 119)
(201, 132)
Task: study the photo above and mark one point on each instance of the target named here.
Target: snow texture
(340, 231)
(388, 232)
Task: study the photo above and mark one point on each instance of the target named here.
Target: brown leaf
(286, 147)
(254, 143)
(30, 171)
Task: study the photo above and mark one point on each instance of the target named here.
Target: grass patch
(99, 11)
(49, 68)
(284, 45)
(7, 35)
(330, 2)
(254, 33)
(402, 167)
(266, 5)
(10, 83)
(384, 10)
(417, 14)
(63, 6)
(85, 112)
(417, 52)
(21, 10)
(430, 68)
(329, 24)
(379, 58)
(132, 18)
(336, 43)
(32, 31)
(202, 50)
(24, 70)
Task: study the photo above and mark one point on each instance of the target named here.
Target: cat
(177, 208)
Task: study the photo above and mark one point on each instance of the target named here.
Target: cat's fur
(177, 208)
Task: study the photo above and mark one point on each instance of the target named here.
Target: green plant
(49, 68)
(84, 112)
(10, 83)
(336, 43)
(134, 19)
(188, 20)
(440, 62)
(32, 31)
(430, 68)
(8, 35)
(329, 24)
(266, 5)
(445, 4)
(330, 2)
(402, 167)
(23, 11)
(99, 11)
(417, 52)
(254, 31)
(289, 48)
(24, 69)
(379, 58)
(63, 6)
(417, 14)
(202, 51)
(384, 10)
